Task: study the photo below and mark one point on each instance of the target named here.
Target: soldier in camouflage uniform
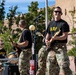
(75, 63)
(25, 44)
(42, 55)
(57, 58)
(42, 61)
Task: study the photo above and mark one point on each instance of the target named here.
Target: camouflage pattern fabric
(42, 54)
(58, 61)
(24, 59)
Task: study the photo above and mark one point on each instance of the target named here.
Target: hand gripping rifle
(16, 48)
(52, 42)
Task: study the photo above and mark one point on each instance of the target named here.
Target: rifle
(16, 48)
(52, 42)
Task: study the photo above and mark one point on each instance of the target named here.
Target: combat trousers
(42, 54)
(24, 58)
(58, 61)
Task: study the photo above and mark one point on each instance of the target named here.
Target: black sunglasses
(57, 11)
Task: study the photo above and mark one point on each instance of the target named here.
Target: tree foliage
(72, 51)
(33, 13)
(2, 12)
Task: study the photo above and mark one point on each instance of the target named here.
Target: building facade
(69, 11)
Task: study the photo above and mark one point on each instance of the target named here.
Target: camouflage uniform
(42, 61)
(57, 60)
(75, 62)
(24, 59)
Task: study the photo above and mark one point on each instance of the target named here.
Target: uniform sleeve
(65, 27)
(26, 35)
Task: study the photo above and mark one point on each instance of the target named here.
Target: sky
(23, 4)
